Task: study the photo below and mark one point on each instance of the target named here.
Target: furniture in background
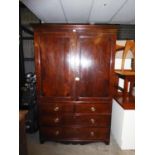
(129, 46)
(123, 109)
(28, 102)
(22, 133)
(74, 71)
(125, 95)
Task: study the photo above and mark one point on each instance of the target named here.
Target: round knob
(74, 30)
(56, 108)
(93, 109)
(92, 133)
(56, 120)
(92, 120)
(57, 132)
(77, 79)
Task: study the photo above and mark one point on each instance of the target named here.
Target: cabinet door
(56, 73)
(94, 68)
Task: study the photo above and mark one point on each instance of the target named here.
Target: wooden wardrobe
(74, 69)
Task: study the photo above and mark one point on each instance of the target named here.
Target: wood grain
(75, 76)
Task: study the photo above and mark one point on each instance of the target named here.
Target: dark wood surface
(76, 120)
(22, 133)
(127, 103)
(93, 108)
(75, 133)
(125, 98)
(74, 68)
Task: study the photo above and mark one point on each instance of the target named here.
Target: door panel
(64, 57)
(94, 67)
(57, 75)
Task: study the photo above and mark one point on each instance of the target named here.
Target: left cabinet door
(54, 73)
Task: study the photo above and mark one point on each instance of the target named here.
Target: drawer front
(76, 120)
(75, 133)
(93, 120)
(55, 108)
(51, 133)
(56, 120)
(93, 133)
(93, 108)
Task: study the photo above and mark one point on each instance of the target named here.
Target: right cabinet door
(94, 67)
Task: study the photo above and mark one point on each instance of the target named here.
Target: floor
(53, 148)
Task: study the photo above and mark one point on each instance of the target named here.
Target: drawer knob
(92, 133)
(93, 109)
(92, 120)
(57, 132)
(77, 79)
(56, 109)
(56, 120)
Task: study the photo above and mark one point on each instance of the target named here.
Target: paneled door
(94, 67)
(57, 74)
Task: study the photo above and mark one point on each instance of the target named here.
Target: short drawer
(55, 108)
(50, 133)
(75, 133)
(93, 120)
(58, 133)
(93, 133)
(56, 120)
(93, 108)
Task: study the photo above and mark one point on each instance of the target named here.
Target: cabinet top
(75, 27)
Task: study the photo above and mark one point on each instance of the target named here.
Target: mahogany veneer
(75, 70)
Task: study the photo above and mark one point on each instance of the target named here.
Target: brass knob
(57, 132)
(92, 120)
(92, 133)
(74, 30)
(56, 120)
(93, 109)
(56, 108)
(77, 79)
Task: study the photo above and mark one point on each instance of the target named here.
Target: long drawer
(75, 107)
(93, 108)
(75, 133)
(75, 120)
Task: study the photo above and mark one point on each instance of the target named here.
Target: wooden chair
(123, 95)
(129, 46)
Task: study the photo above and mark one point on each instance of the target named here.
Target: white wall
(123, 126)
(128, 132)
(116, 122)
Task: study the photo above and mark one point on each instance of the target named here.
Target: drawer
(58, 133)
(55, 108)
(77, 120)
(93, 133)
(56, 120)
(93, 120)
(75, 133)
(93, 108)
(51, 133)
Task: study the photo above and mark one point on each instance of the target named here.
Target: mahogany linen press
(74, 67)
